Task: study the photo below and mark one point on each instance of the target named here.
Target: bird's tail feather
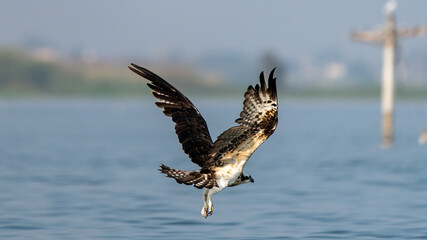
(195, 178)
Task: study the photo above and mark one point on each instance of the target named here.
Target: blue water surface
(87, 169)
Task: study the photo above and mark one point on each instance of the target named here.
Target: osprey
(222, 161)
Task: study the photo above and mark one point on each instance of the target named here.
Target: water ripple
(88, 171)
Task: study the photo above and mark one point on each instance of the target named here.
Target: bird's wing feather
(257, 122)
(190, 126)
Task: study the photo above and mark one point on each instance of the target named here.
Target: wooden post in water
(388, 37)
(387, 89)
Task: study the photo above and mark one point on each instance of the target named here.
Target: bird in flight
(221, 162)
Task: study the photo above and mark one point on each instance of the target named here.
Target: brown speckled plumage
(257, 122)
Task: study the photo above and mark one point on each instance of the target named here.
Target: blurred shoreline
(43, 73)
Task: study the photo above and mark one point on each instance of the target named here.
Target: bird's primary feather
(190, 126)
(221, 161)
(233, 147)
(257, 122)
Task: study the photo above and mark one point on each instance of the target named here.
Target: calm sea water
(86, 169)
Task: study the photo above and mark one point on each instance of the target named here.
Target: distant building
(334, 71)
(45, 54)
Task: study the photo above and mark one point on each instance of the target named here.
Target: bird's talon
(210, 210)
(205, 213)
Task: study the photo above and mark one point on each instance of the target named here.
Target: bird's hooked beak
(251, 179)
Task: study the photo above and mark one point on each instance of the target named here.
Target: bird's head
(247, 179)
(242, 179)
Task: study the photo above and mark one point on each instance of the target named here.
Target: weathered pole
(388, 37)
(387, 89)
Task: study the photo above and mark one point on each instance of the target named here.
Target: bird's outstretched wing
(190, 126)
(257, 122)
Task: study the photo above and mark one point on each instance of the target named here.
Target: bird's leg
(205, 205)
(207, 209)
(210, 205)
(212, 192)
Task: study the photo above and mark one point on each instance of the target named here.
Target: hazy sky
(293, 29)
